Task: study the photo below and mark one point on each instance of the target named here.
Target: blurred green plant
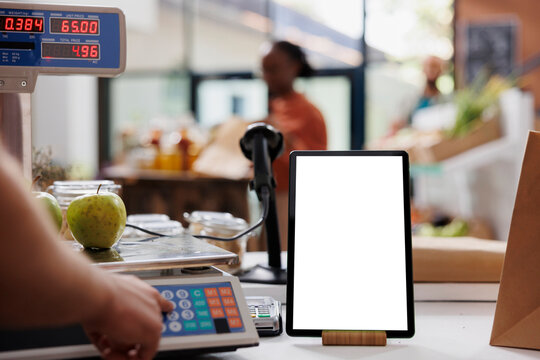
(473, 100)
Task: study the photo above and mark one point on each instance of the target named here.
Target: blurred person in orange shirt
(301, 123)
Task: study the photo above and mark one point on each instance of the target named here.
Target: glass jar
(66, 191)
(159, 223)
(222, 225)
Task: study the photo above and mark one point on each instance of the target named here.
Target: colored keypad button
(167, 294)
(175, 326)
(173, 316)
(199, 303)
(196, 293)
(225, 291)
(217, 312)
(228, 301)
(235, 322)
(206, 325)
(182, 294)
(184, 304)
(187, 314)
(190, 325)
(264, 315)
(211, 292)
(202, 313)
(231, 311)
(213, 302)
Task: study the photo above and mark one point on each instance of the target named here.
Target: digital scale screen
(25, 24)
(69, 51)
(74, 26)
(61, 37)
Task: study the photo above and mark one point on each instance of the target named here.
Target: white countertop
(444, 330)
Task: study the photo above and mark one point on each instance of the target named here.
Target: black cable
(265, 195)
(145, 230)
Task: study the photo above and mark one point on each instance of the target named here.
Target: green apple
(51, 205)
(97, 220)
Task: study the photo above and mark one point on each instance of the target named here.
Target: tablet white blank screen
(349, 251)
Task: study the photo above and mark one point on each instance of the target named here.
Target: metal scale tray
(159, 253)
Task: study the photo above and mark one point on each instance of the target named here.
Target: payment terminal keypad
(201, 309)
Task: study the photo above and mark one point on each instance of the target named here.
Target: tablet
(349, 245)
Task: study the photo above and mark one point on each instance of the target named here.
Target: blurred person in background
(432, 67)
(301, 123)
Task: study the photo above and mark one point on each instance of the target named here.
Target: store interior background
(199, 61)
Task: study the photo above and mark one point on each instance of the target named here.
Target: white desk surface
(444, 330)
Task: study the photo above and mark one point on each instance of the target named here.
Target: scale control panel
(201, 309)
(59, 40)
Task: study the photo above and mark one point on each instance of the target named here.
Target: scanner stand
(354, 338)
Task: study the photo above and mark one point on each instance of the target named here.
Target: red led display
(25, 24)
(70, 51)
(74, 26)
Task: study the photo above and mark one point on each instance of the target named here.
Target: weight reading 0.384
(70, 51)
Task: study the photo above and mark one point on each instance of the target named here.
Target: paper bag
(517, 317)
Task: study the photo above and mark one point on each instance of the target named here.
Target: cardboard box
(446, 148)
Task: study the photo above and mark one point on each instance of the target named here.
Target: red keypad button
(225, 291)
(235, 322)
(217, 313)
(231, 311)
(228, 301)
(210, 292)
(213, 302)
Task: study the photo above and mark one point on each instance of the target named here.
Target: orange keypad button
(231, 311)
(235, 322)
(228, 301)
(213, 302)
(210, 292)
(217, 312)
(225, 291)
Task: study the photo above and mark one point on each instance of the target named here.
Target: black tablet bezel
(408, 247)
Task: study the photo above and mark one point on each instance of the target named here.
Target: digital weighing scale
(210, 311)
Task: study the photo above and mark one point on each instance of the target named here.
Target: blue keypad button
(187, 315)
(167, 294)
(197, 293)
(184, 304)
(173, 316)
(202, 313)
(190, 325)
(206, 325)
(199, 303)
(175, 326)
(182, 294)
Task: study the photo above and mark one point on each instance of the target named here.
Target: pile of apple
(95, 220)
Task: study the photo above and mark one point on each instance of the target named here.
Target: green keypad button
(202, 313)
(199, 303)
(264, 315)
(206, 325)
(196, 293)
(190, 325)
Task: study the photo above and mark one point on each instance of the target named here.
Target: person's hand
(129, 325)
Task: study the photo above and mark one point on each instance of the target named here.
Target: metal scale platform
(210, 311)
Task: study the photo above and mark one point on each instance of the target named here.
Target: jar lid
(168, 227)
(147, 218)
(199, 216)
(232, 223)
(65, 191)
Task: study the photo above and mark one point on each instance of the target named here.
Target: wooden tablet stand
(354, 338)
